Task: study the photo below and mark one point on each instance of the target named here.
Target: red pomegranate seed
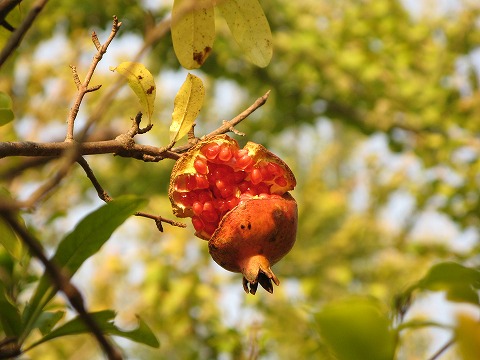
(182, 198)
(191, 183)
(197, 208)
(244, 186)
(216, 193)
(281, 181)
(221, 205)
(181, 183)
(202, 182)
(197, 223)
(239, 176)
(210, 216)
(210, 228)
(244, 161)
(211, 150)
(266, 175)
(226, 190)
(256, 176)
(262, 188)
(201, 166)
(232, 202)
(204, 196)
(275, 169)
(240, 153)
(225, 153)
(208, 206)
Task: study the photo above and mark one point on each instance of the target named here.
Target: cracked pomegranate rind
(217, 180)
(255, 236)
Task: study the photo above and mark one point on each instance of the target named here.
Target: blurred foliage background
(375, 105)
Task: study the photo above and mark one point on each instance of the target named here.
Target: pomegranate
(238, 200)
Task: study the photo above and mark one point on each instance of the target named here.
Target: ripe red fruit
(238, 200)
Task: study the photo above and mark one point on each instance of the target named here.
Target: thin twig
(83, 87)
(102, 194)
(63, 284)
(228, 125)
(442, 349)
(159, 220)
(18, 34)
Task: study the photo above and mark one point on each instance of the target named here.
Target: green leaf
(141, 82)
(193, 31)
(8, 238)
(9, 314)
(6, 113)
(460, 283)
(250, 28)
(187, 105)
(84, 241)
(47, 320)
(142, 334)
(357, 329)
(10, 241)
(467, 335)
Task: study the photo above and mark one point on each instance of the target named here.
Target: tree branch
(63, 284)
(83, 87)
(18, 34)
(102, 194)
(123, 145)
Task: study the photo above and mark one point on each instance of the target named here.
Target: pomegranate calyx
(258, 272)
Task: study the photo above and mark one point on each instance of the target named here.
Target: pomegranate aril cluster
(224, 176)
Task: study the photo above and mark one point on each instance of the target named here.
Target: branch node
(116, 24)
(93, 88)
(95, 41)
(159, 220)
(76, 79)
(232, 129)
(145, 129)
(191, 133)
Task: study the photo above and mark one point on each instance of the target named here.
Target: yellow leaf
(187, 105)
(468, 337)
(141, 82)
(193, 31)
(250, 28)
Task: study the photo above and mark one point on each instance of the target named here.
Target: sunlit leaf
(357, 329)
(460, 283)
(84, 241)
(6, 113)
(193, 31)
(187, 105)
(9, 315)
(141, 82)
(250, 28)
(142, 334)
(468, 337)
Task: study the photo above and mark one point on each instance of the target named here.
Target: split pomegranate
(238, 200)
